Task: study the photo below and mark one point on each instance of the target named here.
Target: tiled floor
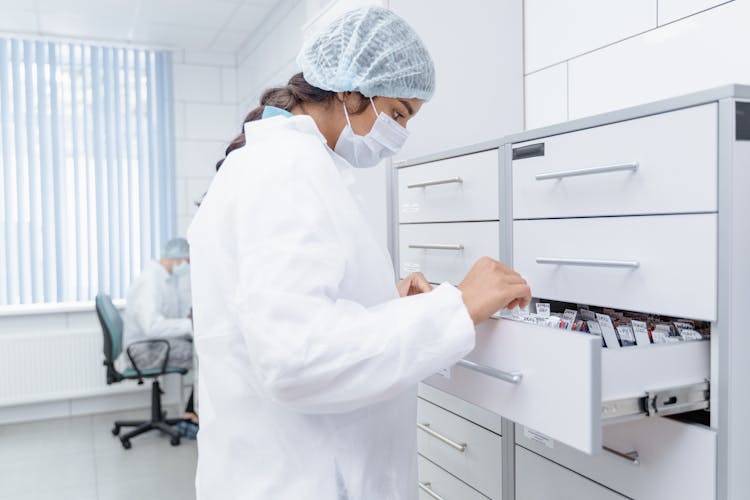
(79, 459)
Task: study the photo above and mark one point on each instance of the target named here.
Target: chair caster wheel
(126, 443)
(175, 441)
(115, 430)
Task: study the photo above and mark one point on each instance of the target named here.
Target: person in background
(159, 307)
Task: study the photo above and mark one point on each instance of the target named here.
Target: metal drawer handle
(631, 456)
(632, 166)
(510, 377)
(631, 264)
(457, 446)
(436, 182)
(436, 246)
(427, 488)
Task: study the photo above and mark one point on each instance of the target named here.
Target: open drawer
(566, 386)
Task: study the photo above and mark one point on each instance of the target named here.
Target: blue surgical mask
(385, 139)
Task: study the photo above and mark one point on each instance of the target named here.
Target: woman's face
(401, 110)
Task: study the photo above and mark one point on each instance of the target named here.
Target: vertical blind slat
(87, 168)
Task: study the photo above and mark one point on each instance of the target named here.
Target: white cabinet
(465, 188)
(437, 484)
(662, 264)
(446, 252)
(660, 164)
(641, 210)
(461, 447)
(540, 479)
(567, 377)
(478, 55)
(642, 454)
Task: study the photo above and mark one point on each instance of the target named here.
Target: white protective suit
(309, 360)
(156, 308)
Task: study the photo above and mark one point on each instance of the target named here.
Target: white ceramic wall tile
(671, 10)
(179, 120)
(197, 83)
(229, 41)
(13, 20)
(183, 222)
(196, 188)
(556, 31)
(213, 15)
(181, 196)
(210, 58)
(169, 35)
(479, 72)
(547, 96)
(209, 121)
(229, 85)
(676, 59)
(198, 158)
(272, 53)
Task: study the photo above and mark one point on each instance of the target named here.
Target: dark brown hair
(296, 92)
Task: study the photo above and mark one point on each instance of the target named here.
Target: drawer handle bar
(631, 264)
(631, 456)
(436, 246)
(510, 377)
(632, 166)
(427, 488)
(436, 182)
(457, 446)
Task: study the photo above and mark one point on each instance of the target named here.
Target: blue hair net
(370, 50)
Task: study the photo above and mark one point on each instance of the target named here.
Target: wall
(205, 92)
(585, 57)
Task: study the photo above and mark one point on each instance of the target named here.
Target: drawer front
(676, 172)
(457, 189)
(436, 483)
(540, 479)
(659, 264)
(452, 248)
(566, 376)
(676, 461)
(441, 434)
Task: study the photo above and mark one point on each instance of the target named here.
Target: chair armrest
(148, 341)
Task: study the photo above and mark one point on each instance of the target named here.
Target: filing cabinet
(638, 210)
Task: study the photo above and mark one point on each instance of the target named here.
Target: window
(86, 168)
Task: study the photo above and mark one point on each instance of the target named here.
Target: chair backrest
(109, 318)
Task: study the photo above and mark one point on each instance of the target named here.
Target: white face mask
(180, 268)
(385, 139)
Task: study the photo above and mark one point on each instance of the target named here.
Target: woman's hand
(413, 284)
(491, 286)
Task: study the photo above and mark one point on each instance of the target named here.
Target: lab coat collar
(304, 124)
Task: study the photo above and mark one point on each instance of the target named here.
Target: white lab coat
(154, 309)
(309, 360)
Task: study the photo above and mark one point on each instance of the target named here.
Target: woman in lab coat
(310, 353)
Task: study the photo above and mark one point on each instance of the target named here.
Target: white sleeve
(147, 311)
(311, 350)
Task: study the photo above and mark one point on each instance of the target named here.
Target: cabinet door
(478, 54)
(540, 479)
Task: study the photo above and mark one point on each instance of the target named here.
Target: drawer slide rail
(659, 403)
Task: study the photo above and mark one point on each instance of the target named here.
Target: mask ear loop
(346, 113)
(374, 108)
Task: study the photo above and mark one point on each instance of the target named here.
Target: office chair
(109, 318)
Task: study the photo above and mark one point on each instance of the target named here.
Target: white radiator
(36, 367)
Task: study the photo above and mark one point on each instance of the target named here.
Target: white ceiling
(216, 25)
